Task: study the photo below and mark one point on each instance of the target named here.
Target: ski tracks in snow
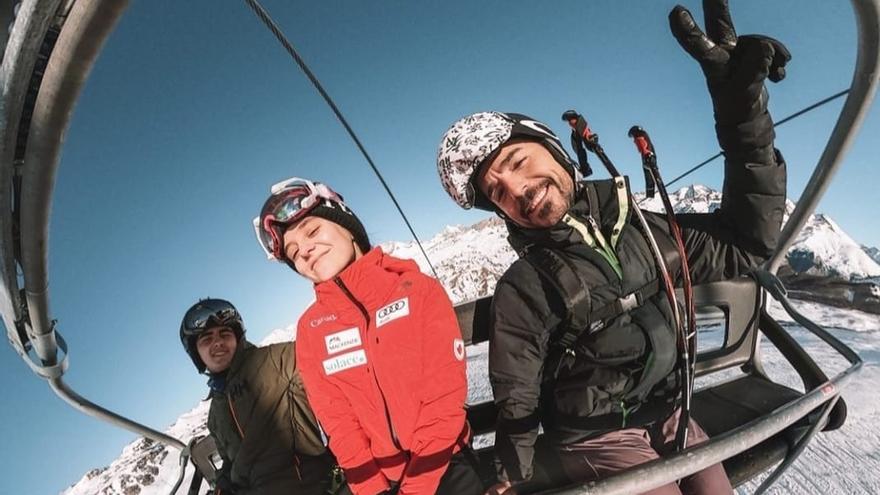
(845, 461)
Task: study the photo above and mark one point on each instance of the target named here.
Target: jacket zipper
(596, 241)
(241, 433)
(234, 417)
(607, 252)
(366, 316)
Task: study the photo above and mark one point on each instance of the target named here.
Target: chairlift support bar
(21, 51)
(858, 101)
(86, 24)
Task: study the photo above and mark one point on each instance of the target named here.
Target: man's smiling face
(216, 347)
(527, 184)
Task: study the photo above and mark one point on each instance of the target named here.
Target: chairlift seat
(726, 406)
(720, 407)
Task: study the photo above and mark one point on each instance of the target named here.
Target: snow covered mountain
(144, 467)
(873, 252)
(821, 249)
(469, 260)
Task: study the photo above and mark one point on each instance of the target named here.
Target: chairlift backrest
(206, 458)
(738, 302)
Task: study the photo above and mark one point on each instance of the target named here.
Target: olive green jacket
(265, 429)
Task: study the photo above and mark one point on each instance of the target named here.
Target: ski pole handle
(644, 145)
(580, 126)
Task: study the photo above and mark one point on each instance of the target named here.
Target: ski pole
(581, 136)
(590, 141)
(652, 176)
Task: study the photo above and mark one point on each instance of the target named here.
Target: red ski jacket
(383, 362)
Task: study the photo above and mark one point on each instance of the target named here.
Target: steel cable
(777, 124)
(267, 20)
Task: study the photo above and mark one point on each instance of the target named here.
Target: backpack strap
(558, 272)
(626, 303)
(580, 319)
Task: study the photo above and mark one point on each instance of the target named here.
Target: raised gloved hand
(735, 67)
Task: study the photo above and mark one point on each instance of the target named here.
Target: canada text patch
(395, 310)
(343, 340)
(345, 361)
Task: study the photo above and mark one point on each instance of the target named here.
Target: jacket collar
(597, 199)
(369, 279)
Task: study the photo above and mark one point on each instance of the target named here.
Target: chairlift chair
(753, 421)
(723, 409)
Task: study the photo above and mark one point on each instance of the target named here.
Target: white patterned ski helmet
(473, 140)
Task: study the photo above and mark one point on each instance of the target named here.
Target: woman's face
(319, 248)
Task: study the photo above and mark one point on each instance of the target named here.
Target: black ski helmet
(203, 315)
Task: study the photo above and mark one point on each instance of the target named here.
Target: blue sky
(193, 110)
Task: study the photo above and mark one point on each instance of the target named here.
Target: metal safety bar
(84, 26)
(20, 55)
(861, 94)
(87, 23)
(85, 406)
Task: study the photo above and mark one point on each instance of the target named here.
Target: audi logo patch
(395, 310)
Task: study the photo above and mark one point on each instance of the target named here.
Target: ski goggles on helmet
(210, 313)
(289, 201)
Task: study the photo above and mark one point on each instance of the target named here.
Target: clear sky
(193, 110)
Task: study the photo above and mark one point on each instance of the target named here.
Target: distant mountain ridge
(469, 260)
(873, 252)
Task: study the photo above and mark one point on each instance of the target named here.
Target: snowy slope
(470, 259)
(844, 461)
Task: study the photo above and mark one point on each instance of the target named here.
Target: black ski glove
(393, 490)
(224, 483)
(735, 66)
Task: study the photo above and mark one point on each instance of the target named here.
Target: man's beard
(547, 209)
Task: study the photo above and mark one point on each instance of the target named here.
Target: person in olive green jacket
(265, 430)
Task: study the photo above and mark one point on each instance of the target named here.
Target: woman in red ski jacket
(380, 351)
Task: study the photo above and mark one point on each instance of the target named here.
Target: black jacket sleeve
(523, 320)
(745, 230)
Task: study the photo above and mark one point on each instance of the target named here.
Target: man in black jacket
(611, 400)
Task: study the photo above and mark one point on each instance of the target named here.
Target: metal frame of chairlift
(49, 52)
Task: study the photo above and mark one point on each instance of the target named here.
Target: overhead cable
(267, 20)
(777, 124)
